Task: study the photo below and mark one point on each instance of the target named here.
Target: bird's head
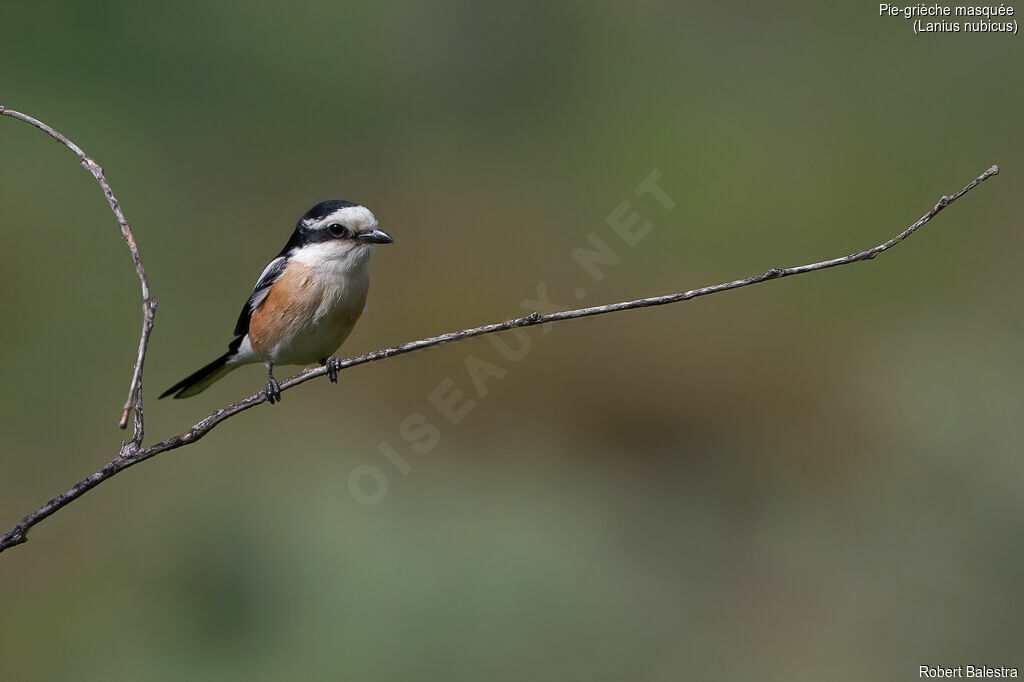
(336, 230)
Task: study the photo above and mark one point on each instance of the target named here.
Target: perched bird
(306, 302)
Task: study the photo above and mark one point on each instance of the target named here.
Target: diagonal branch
(18, 534)
(134, 401)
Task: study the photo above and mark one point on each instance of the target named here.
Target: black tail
(198, 381)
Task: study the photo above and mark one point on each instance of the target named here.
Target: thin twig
(18, 534)
(134, 400)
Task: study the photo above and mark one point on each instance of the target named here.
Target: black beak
(375, 237)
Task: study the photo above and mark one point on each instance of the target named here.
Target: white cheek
(319, 254)
(341, 254)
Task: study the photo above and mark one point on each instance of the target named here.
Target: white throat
(341, 256)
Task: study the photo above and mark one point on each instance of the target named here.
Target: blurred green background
(815, 478)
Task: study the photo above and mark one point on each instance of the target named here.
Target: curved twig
(130, 456)
(134, 401)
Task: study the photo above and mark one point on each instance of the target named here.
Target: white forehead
(352, 217)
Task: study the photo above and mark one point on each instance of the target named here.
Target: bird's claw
(333, 364)
(272, 390)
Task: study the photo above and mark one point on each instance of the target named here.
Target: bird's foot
(333, 364)
(272, 390)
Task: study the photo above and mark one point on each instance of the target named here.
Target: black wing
(259, 292)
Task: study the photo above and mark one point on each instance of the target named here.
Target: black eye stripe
(308, 234)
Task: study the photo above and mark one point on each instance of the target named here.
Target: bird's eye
(338, 230)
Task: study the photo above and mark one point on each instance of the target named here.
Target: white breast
(313, 306)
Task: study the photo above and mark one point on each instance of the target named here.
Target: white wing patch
(262, 288)
(259, 293)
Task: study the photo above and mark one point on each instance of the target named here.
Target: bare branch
(134, 400)
(18, 534)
